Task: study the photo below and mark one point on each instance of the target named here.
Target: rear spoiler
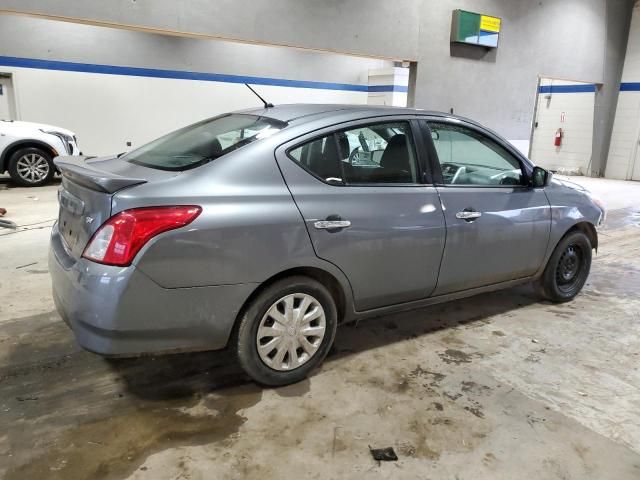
(76, 169)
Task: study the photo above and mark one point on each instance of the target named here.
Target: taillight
(121, 237)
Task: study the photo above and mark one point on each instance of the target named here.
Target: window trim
(422, 173)
(435, 160)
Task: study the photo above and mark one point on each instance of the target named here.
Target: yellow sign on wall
(489, 24)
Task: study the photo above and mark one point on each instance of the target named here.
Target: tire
(265, 366)
(31, 167)
(567, 269)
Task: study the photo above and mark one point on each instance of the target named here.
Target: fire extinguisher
(557, 141)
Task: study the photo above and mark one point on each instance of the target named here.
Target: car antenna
(266, 104)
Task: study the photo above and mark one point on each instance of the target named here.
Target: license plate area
(68, 230)
(69, 222)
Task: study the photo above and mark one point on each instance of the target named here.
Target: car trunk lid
(97, 175)
(86, 193)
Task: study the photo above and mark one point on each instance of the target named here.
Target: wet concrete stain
(115, 446)
(467, 397)
(424, 435)
(452, 356)
(433, 436)
(451, 339)
(403, 386)
(476, 410)
(441, 421)
(473, 387)
(434, 378)
(406, 449)
(89, 417)
(38, 342)
(452, 396)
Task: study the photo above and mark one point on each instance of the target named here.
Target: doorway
(564, 108)
(7, 98)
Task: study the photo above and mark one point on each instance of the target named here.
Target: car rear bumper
(119, 311)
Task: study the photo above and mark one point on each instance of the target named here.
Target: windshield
(204, 141)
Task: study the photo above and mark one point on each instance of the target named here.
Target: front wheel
(31, 167)
(568, 268)
(286, 331)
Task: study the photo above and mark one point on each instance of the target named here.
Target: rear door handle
(468, 215)
(331, 224)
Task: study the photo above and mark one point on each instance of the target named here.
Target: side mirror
(540, 177)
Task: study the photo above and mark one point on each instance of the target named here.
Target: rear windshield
(203, 141)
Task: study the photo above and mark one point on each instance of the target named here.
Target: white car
(27, 150)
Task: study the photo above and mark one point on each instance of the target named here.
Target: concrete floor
(500, 386)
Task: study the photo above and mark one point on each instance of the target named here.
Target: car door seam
(444, 245)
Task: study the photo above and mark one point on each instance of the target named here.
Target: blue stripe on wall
(587, 88)
(630, 87)
(185, 75)
(388, 88)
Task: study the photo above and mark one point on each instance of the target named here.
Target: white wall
(396, 77)
(107, 110)
(573, 112)
(624, 154)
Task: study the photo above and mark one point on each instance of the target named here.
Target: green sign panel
(475, 29)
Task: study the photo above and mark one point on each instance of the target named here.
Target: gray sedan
(262, 230)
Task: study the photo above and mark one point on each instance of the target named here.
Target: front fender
(570, 208)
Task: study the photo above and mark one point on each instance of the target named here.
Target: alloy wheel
(32, 167)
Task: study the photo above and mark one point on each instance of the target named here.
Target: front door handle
(468, 215)
(331, 224)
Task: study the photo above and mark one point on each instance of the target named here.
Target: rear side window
(204, 141)
(381, 153)
(320, 157)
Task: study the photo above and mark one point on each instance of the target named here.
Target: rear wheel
(286, 331)
(568, 268)
(31, 167)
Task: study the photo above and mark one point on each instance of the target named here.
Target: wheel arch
(588, 229)
(335, 287)
(12, 148)
(583, 226)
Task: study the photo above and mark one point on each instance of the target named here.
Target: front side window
(203, 141)
(469, 158)
(373, 154)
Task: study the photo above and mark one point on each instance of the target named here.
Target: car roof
(299, 113)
